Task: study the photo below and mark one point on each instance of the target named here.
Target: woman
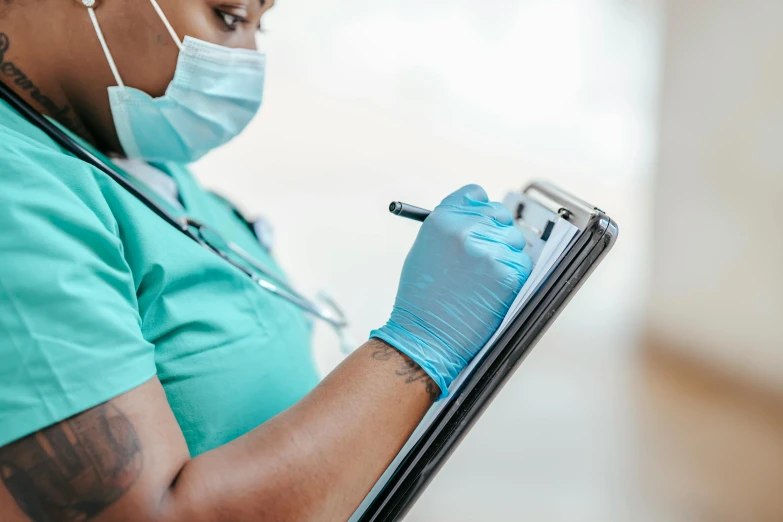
(142, 377)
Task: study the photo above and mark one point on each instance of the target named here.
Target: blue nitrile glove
(459, 280)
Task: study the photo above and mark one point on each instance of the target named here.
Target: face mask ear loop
(167, 24)
(106, 51)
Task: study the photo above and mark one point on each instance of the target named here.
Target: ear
(88, 3)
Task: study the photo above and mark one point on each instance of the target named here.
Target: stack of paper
(560, 238)
(562, 235)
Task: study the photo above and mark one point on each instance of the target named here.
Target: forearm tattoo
(408, 369)
(73, 470)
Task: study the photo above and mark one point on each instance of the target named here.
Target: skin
(127, 459)
(75, 78)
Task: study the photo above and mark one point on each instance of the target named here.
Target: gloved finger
(520, 271)
(499, 213)
(519, 262)
(466, 196)
(515, 238)
(495, 241)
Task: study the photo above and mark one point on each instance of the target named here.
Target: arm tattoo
(73, 470)
(408, 368)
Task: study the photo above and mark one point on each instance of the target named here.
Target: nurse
(142, 377)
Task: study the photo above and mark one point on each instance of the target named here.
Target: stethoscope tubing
(272, 284)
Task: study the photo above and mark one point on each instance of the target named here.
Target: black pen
(408, 211)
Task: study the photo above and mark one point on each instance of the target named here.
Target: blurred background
(658, 394)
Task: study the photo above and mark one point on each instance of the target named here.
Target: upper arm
(115, 462)
(70, 330)
(70, 340)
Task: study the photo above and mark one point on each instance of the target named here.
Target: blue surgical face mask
(215, 93)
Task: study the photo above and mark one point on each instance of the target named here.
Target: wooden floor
(715, 449)
(590, 429)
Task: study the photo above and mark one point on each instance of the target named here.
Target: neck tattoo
(15, 75)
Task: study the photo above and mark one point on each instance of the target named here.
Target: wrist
(429, 360)
(404, 367)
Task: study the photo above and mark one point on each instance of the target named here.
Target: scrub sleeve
(70, 331)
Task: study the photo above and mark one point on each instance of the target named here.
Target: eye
(230, 20)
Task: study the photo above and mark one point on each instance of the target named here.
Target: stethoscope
(324, 309)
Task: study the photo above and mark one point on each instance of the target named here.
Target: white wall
(369, 102)
(373, 101)
(717, 289)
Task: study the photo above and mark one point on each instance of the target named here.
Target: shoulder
(70, 332)
(53, 212)
(38, 176)
(52, 208)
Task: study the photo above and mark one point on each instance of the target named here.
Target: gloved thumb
(467, 196)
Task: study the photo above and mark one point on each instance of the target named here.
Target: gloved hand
(459, 280)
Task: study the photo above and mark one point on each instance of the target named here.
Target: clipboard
(596, 235)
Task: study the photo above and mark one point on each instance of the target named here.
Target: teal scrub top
(98, 295)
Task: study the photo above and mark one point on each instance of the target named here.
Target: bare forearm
(317, 460)
(127, 460)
